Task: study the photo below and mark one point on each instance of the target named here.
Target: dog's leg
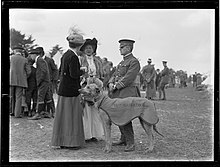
(149, 131)
(107, 130)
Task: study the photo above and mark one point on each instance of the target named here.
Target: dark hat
(164, 61)
(34, 51)
(41, 50)
(126, 41)
(18, 47)
(149, 60)
(93, 42)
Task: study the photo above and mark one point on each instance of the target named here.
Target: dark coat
(32, 82)
(70, 75)
(42, 71)
(19, 71)
(124, 77)
(165, 75)
(52, 69)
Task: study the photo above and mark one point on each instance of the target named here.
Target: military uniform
(124, 80)
(148, 73)
(164, 80)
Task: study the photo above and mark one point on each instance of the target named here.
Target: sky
(183, 37)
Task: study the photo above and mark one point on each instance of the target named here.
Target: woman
(68, 124)
(92, 124)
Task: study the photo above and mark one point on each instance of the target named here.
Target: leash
(100, 102)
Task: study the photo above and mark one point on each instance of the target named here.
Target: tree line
(28, 42)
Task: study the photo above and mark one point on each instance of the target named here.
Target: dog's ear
(97, 90)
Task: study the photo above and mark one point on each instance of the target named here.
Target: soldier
(53, 77)
(43, 84)
(149, 74)
(157, 81)
(19, 72)
(195, 79)
(122, 84)
(164, 80)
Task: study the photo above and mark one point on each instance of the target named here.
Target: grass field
(186, 121)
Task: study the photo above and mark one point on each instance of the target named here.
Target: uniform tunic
(164, 77)
(124, 77)
(148, 72)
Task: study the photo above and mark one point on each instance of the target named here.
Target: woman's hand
(84, 68)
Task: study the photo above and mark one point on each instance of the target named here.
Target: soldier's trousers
(16, 93)
(44, 94)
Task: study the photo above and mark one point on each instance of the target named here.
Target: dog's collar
(101, 102)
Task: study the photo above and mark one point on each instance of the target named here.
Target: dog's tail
(155, 129)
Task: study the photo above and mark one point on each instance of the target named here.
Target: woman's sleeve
(74, 67)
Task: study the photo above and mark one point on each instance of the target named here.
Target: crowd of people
(34, 78)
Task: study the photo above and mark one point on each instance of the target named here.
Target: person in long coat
(19, 72)
(164, 80)
(122, 84)
(68, 129)
(149, 74)
(43, 80)
(92, 123)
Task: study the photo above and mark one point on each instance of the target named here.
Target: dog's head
(90, 92)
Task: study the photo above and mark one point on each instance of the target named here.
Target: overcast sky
(183, 37)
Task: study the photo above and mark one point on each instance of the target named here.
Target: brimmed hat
(126, 42)
(75, 38)
(164, 61)
(93, 42)
(41, 50)
(34, 51)
(18, 47)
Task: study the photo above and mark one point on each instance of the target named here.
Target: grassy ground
(186, 120)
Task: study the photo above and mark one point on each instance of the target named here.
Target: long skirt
(92, 123)
(68, 123)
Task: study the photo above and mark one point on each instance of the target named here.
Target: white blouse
(92, 67)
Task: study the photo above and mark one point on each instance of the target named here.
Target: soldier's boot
(38, 113)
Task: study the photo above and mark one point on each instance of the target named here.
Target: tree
(55, 49)
(17, 38)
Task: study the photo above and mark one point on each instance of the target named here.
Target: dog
(133, 107)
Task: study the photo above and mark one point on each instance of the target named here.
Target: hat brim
(89, 42)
